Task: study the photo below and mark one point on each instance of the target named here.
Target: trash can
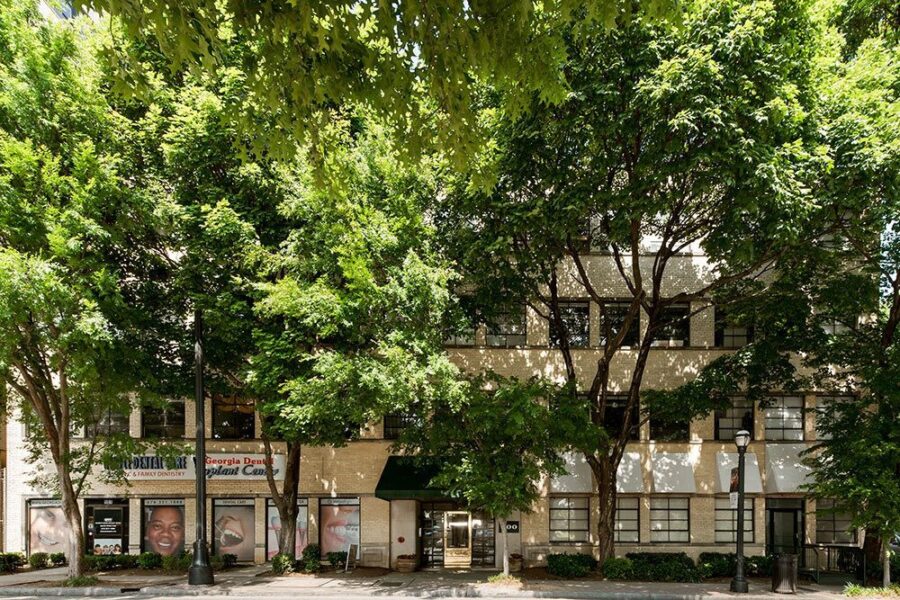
(784, 574)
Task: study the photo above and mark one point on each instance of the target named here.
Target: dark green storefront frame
(408, 478)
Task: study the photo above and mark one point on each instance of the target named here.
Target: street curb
(22, 590)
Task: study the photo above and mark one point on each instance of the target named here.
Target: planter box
(406, 565)
(515, 565)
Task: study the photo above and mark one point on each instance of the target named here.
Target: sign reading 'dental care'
(224, 465)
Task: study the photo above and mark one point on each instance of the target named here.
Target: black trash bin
(784, 574)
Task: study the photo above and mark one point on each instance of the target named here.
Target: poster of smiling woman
(47, 527)
(164, 526)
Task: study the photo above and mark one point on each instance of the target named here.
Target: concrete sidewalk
(247, 583)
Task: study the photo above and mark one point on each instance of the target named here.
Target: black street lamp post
(200, 572)
(739, 583)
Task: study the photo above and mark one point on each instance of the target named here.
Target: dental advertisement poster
(273, 528)
(233, 528)
(164, 526)
(47, 529)
(338, 524)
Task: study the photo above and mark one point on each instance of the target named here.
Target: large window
(730, 335)
(612, 320)
(464, 336)
(784, 418)
(674, 328)
(726, 521)
(507, 330)
(569, 520)
(736, 417)
(338, 524)
(576, 320)
(163, 421)
(110, 422)
(669, 430)
(832, 527)
(395, 423)
(828, 403)
(233, 419)
(614, 417)
(670, 519)
(628, 520)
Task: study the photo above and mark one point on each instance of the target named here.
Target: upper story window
(464, 336)
(827, 403)
(612, 320)
(508, 329)
(395, 423)
(614, 417)
(576, 320)
(233, 419)
(163, 422)
(834, 326)
(674, 328)
(110, 422)
(832, 527)
(730, 335)
(737, 417)
(669, 431)
(784, 418)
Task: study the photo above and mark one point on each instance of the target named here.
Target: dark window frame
(636, 521)
(779, 433)
(395, 423)
(727, 335)
(577, 339)
(617, 403)
(669, 328)
(736, 423)
(163, 426)
(570, 516)
(506, 332)
(826, 515)
(668, 520)
(670, 431)
(110, 422)
(614, 312)
(236, 431)
(726, 514)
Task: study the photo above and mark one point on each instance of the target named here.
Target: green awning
(408, 478)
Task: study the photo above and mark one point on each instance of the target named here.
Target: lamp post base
(201, 572)
(740, 586)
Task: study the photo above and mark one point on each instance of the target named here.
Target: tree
(78, 228)
(496, 440)
(404, 59)
(672, 139)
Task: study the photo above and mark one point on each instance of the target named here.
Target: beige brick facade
(388, 529)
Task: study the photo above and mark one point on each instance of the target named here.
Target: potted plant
(406, 563)
(515, 562)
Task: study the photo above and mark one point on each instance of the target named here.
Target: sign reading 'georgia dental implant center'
(225, 465)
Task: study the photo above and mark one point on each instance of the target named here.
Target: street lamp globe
(742, 439)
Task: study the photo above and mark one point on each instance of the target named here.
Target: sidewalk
(247, 583)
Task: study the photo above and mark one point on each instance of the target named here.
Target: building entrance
(450, 536)
(784, 524)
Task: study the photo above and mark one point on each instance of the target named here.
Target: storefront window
(234, 527)
(47, 527)
(273, 527)
(163, 523)
(338, 524)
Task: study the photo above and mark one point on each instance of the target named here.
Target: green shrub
(758, 566)
(10, 561)
(663, 566)
(282, 564)
(875, 571)
(58, 559)
(216, 562)
(81, 581)
(618, 568)
(177, 563)
(101, 562)
(336, 559)
(311, 560)
(128, 561)
(229, 561)
(39, 560)
(856, 590)
(149, 560)
(570, 565)
(716, 564)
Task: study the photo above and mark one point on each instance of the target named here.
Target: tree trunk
(72, 512)
(505, 545)
(287, 535)
(286, 499)
(886, 562)
(606, 483)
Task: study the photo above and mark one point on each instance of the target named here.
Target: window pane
(163, 422)
(674, 328)
(576, 321)
(612, 319)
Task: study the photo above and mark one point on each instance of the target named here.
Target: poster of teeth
(234, 530)
(339, 524)
(47, 527)
(273, 527)
(164, 526)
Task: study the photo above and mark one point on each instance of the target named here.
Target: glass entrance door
(784, 525)
(483, 540)
(457, 539)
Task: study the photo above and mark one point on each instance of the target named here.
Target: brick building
(673, 480)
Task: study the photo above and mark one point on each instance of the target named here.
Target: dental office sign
(231, 466)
